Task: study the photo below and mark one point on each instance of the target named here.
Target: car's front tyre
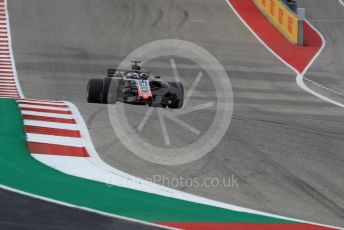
(177, 89)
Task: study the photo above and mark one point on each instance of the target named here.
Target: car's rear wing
(111, 72)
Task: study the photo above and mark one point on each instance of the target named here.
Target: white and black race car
(134, 86)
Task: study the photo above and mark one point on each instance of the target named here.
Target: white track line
(7, 84)
(324, 87)
(7, 88)
(48, 124)
(41, 101)
(55, 115)
(3, 93)
(56, 140)
(42, 107)
(300, 76)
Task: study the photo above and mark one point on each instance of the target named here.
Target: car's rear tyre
(178, 90)
(95, 91)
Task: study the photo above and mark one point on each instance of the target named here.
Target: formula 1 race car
(134, 86)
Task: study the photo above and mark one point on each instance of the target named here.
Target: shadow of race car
(135, 86)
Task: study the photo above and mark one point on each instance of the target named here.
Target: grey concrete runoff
(284, 145)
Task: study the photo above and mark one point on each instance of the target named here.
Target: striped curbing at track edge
(299, 59)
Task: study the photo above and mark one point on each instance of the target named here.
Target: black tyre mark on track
(184, 20)
(158, 18)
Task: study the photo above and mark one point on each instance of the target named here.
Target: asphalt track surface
(34, 214)
(284, 145)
